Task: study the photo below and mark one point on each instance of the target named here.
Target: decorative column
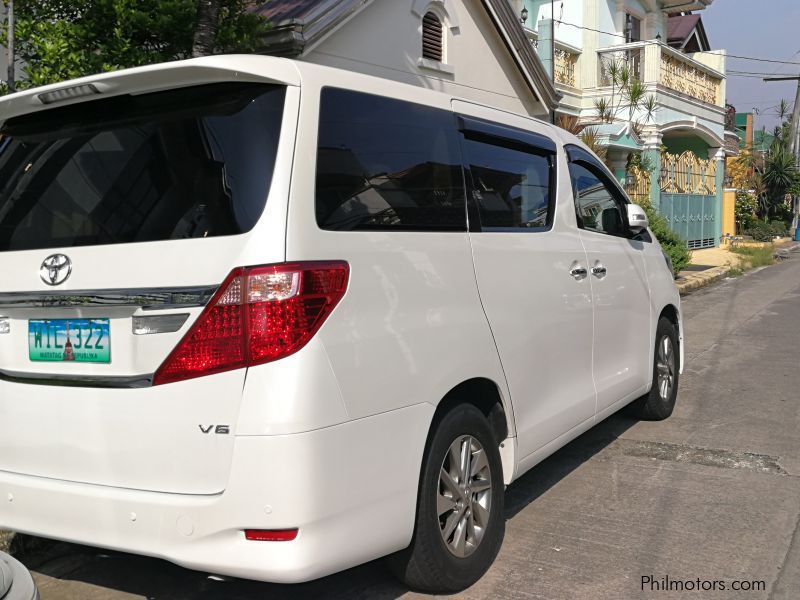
(618, 163)
(718, 154)
(545, 45)
(652, 151)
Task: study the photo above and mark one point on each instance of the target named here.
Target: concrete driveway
(709, 498)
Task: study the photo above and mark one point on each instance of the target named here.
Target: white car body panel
(533, 304)
(330, 439)
(620, 356)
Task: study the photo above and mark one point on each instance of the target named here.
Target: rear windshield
(188, 163)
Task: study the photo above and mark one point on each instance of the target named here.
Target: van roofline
(157, 77)
(213, 69)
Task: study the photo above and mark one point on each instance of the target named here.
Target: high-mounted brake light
(68, 93)
(259, 314)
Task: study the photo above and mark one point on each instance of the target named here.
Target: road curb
(784, 250)
(689, 281)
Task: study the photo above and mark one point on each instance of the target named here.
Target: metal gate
(691, 216)
(689, 197)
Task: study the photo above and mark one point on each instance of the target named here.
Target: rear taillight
(259, 314)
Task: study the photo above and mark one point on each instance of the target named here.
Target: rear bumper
(350, 489)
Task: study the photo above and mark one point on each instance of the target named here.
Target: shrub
(779, 228)
(671, 242)
(761, 231)
(745, 209)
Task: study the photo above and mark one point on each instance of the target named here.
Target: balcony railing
(612, 62)
(566, 60)
(654, 63)
(566, 63)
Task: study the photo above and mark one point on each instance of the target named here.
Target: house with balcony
(474, 49)
(679, 134)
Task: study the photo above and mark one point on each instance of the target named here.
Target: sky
(761, 29)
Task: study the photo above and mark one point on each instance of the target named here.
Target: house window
(633, 28)
(633, 33)
(432, 33)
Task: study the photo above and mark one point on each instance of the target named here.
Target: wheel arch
(672, 314)
(485, 394)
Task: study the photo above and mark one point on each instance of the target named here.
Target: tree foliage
(588, 135)
(64, 39)
(740, 169)
(775, 177)
(744, 209)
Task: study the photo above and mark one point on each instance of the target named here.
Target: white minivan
(272, 320)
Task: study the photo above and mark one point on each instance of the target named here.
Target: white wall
(607, 21)
(568, 11)
(384, 39)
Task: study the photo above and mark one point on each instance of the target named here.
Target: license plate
(69, 340)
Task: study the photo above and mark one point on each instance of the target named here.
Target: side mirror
(637, 218)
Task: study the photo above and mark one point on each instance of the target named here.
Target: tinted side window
(385, 164)
(597, 207)
(510, 186)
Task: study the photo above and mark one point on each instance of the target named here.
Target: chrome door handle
(578, 272)
(599, 271)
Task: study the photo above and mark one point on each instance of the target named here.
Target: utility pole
(794, 139)
(10, 82)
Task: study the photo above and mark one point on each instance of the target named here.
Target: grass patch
(5, 540)
(735, 272)
(751, 258)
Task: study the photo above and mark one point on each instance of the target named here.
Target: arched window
(432, 44)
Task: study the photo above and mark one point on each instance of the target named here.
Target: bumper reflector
(270, 535)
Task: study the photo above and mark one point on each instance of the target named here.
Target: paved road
(711, 494)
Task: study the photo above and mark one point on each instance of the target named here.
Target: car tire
(16, 582)
(460, 524)
(660, 402)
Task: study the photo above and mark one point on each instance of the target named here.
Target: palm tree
(588, 135)
(760, 192)
(780, 177)
(628, 95)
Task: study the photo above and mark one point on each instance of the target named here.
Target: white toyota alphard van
(314, 317)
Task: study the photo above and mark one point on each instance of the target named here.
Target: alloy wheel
(464, 499)
(665, 365)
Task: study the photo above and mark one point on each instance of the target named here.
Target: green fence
(693, 217)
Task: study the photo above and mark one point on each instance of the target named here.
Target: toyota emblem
(55, 269)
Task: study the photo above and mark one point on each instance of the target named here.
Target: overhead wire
(739, 56)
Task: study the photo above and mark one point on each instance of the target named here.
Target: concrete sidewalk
(720, 261)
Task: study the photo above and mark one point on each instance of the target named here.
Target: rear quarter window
(385, 164)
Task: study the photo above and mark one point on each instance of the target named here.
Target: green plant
(5, 540)
(744, 209)
(735, 272)
(780, 177)
(60, 39)
(641, 161)
(629, 96)
(762, 231)
(754, 257)
(779, 227)
(671, 242)
(590, 137)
